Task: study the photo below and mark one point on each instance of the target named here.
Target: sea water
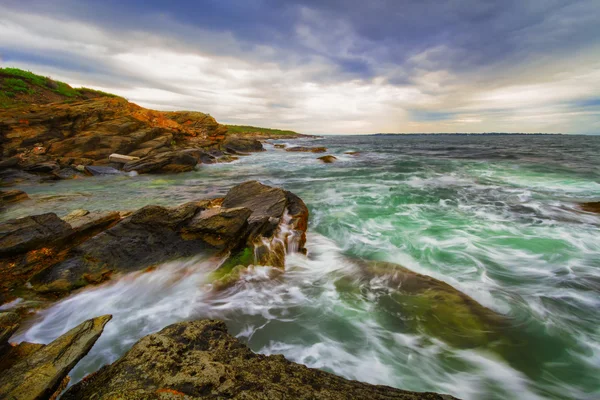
(496, 217)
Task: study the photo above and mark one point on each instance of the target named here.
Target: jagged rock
(84, 222)
(149, 236)
(238, 145)
(29, 233)
(99, 171)
(166, 162)
(217, 227)
(9, 323)
(200, 360)
(302, 149)
(15, 354)
(40, 375)
(12, 196)
(328, 159)
(250, 214)
(593, 207)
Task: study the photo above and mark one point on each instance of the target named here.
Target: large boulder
(237, 145)
(200, 360)
(42, 373)
(177, 161)
(250, 216)
(436, 307)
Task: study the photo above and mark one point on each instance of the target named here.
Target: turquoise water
(495, 217)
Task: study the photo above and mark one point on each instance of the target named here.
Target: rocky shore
(45, 257)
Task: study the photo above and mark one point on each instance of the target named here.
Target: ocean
(495, 217)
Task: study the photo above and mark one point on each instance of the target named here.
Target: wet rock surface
(42, 370)
(200, 360)
(593, 207)
(328, 159)
(242, 145)
(250, 214)
(12, 196)
(302, 149)
(446, 312)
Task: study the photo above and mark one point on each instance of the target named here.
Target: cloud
(327, 66)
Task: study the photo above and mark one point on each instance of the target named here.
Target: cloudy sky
(327, 66)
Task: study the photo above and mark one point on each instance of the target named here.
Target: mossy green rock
(433, 307)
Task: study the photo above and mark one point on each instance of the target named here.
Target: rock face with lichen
(41, 373)
(200, 360)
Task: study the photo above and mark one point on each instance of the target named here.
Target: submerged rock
(12, 196)
(99, 171)
(593, 207)
(200, 360)
(302, 149)
(328, 159)
(41, 373)
(280, 146)
(429, 305)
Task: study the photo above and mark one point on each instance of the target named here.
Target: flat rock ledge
(200, 360)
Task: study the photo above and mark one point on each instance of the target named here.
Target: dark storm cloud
(428, 61)
(476, 33)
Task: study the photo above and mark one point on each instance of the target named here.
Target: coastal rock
(120, 158)
(201, 360)
(40, 375)
(217, 227)
(16, 353)
(44, 167)
(9, 323)
(328, 159)
(237, 145)
(435, 307)
(280, 146)
(180, 161)
(301, 149)
(29, 233)
(12, 196)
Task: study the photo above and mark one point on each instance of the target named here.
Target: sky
(327, 66)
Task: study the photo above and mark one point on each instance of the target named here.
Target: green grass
(16, 85)
(245, 129)
(20, 81)
(98, 92)
(37, 80)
